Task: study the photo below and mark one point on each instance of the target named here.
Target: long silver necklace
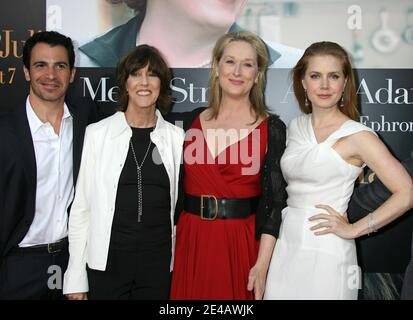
(139, 172)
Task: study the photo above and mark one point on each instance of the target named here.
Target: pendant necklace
(139, 172)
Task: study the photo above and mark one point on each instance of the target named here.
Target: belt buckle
(202, 207)
(53, 247)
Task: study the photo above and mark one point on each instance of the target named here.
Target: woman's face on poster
(217, 13)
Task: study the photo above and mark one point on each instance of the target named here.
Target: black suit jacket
(18, 169)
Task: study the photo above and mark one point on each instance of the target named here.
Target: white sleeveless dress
(303, 265)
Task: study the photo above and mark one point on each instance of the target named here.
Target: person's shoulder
(105, 50)
(358, 135)
(299, 121)
(353, 127)
(109, 36)
(174, 129)
(185, 118)
(274, 120)
(276, 130)
(97, 127)
(355, 124)
(198, 111)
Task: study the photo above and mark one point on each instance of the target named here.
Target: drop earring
(342, 101)
(306, 102)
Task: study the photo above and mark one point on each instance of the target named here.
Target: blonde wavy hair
(256, 95)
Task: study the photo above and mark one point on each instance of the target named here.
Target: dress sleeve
(274, 196)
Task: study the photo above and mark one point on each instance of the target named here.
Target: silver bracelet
(370, 223)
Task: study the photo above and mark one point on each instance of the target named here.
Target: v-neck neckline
(228, 146)
(329, 136)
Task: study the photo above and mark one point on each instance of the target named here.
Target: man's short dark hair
(52, 38)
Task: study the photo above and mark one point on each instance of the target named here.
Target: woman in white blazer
(121, 224)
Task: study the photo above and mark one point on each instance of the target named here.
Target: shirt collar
(66, 112)
(34, 122)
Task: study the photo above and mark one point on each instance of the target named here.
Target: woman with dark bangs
(121, 226)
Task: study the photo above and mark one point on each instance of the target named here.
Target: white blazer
(104, 153)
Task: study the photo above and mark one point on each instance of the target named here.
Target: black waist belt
(54, 247)
(210, 208)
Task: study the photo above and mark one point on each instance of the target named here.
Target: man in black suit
(40, 156)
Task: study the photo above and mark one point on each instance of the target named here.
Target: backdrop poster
(384, 66)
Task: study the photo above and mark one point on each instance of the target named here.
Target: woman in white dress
(315, 254)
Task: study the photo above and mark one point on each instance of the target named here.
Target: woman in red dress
(234, 189)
